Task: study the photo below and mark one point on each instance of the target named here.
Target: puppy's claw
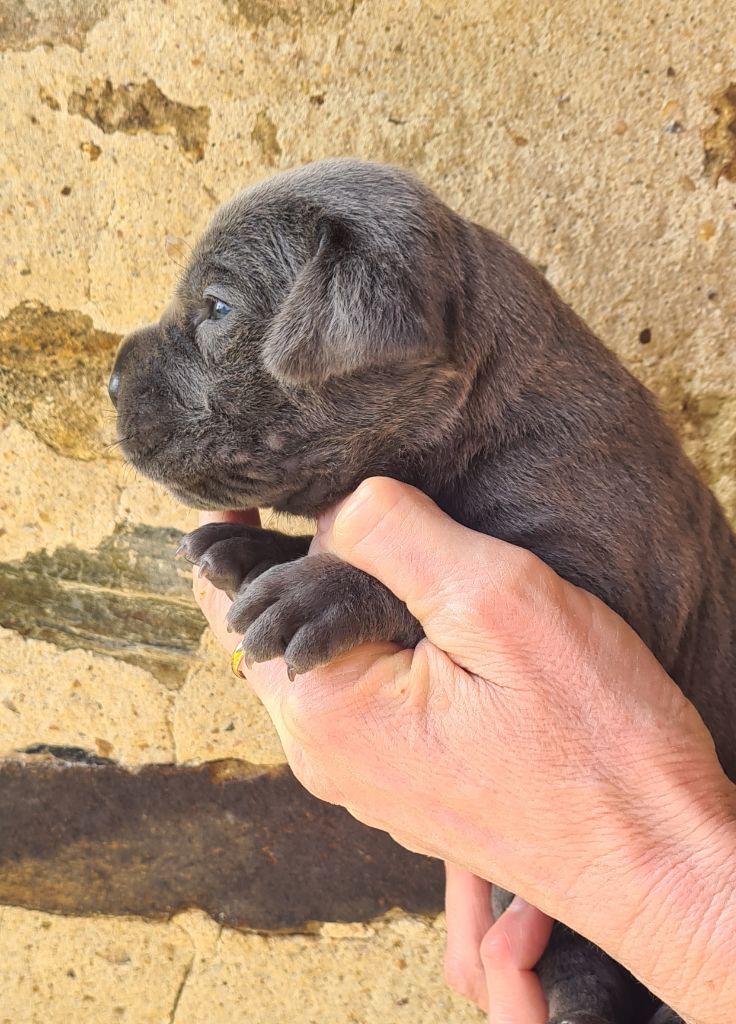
(181, 551)
(291, 672)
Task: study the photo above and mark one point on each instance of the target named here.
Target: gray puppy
(339, 321)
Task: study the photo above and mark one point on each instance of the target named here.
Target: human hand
(490, 963)
(531, 737)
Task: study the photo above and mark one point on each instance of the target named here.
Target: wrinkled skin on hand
(528, 700)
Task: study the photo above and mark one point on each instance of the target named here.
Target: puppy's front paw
(312, 609)
(230, 554)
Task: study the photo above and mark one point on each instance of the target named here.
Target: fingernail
(517, 904)
(350, 508)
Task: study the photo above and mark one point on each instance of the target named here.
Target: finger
(246, 516)
(515, 997)
(509, 952)
(469, 917)
(215, 605)
(397, 534)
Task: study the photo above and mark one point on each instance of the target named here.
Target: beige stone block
(143, 501)
(76, 698)
(556, 128)
(47, 500)
(217, 716)
(89, 970)
(388, 971)
(189, 970)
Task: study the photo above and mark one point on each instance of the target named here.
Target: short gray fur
(374, 331)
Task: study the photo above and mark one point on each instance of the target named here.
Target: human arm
(532, 739)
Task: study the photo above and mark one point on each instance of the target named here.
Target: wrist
(666, 882)
(683, 942)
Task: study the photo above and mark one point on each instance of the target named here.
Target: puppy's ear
(354, 304)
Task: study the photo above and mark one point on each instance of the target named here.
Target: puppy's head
(311, 342)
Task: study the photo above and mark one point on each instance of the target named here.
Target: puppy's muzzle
(124, 357)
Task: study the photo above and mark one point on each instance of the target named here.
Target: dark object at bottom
(245, 843)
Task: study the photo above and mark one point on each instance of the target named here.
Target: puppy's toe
(193, 545)
(320, 641)
(270, 634)
(253, 599)
(227, 564)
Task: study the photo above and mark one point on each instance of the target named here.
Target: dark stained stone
(54, 367)
(260, 13)
(246, 844)
(720, 138)
(126, 599)
(141, 107)
(265, 137)
(72, 755)
(24, 25)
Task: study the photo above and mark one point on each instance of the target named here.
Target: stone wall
(598, 135)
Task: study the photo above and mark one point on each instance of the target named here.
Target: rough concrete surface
(122, 971)
(598, 135)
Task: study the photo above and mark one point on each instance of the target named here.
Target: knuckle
(503, 596)
(373, 511)
(495, 949)
(375, 488)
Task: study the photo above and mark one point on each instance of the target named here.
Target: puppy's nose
(113, 387)
(125, 354)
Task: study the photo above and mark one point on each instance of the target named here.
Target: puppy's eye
(218, 309)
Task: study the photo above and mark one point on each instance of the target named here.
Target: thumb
(398, 535)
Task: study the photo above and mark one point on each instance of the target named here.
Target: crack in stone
(103, 225)
(182, 986)
(171, 725)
